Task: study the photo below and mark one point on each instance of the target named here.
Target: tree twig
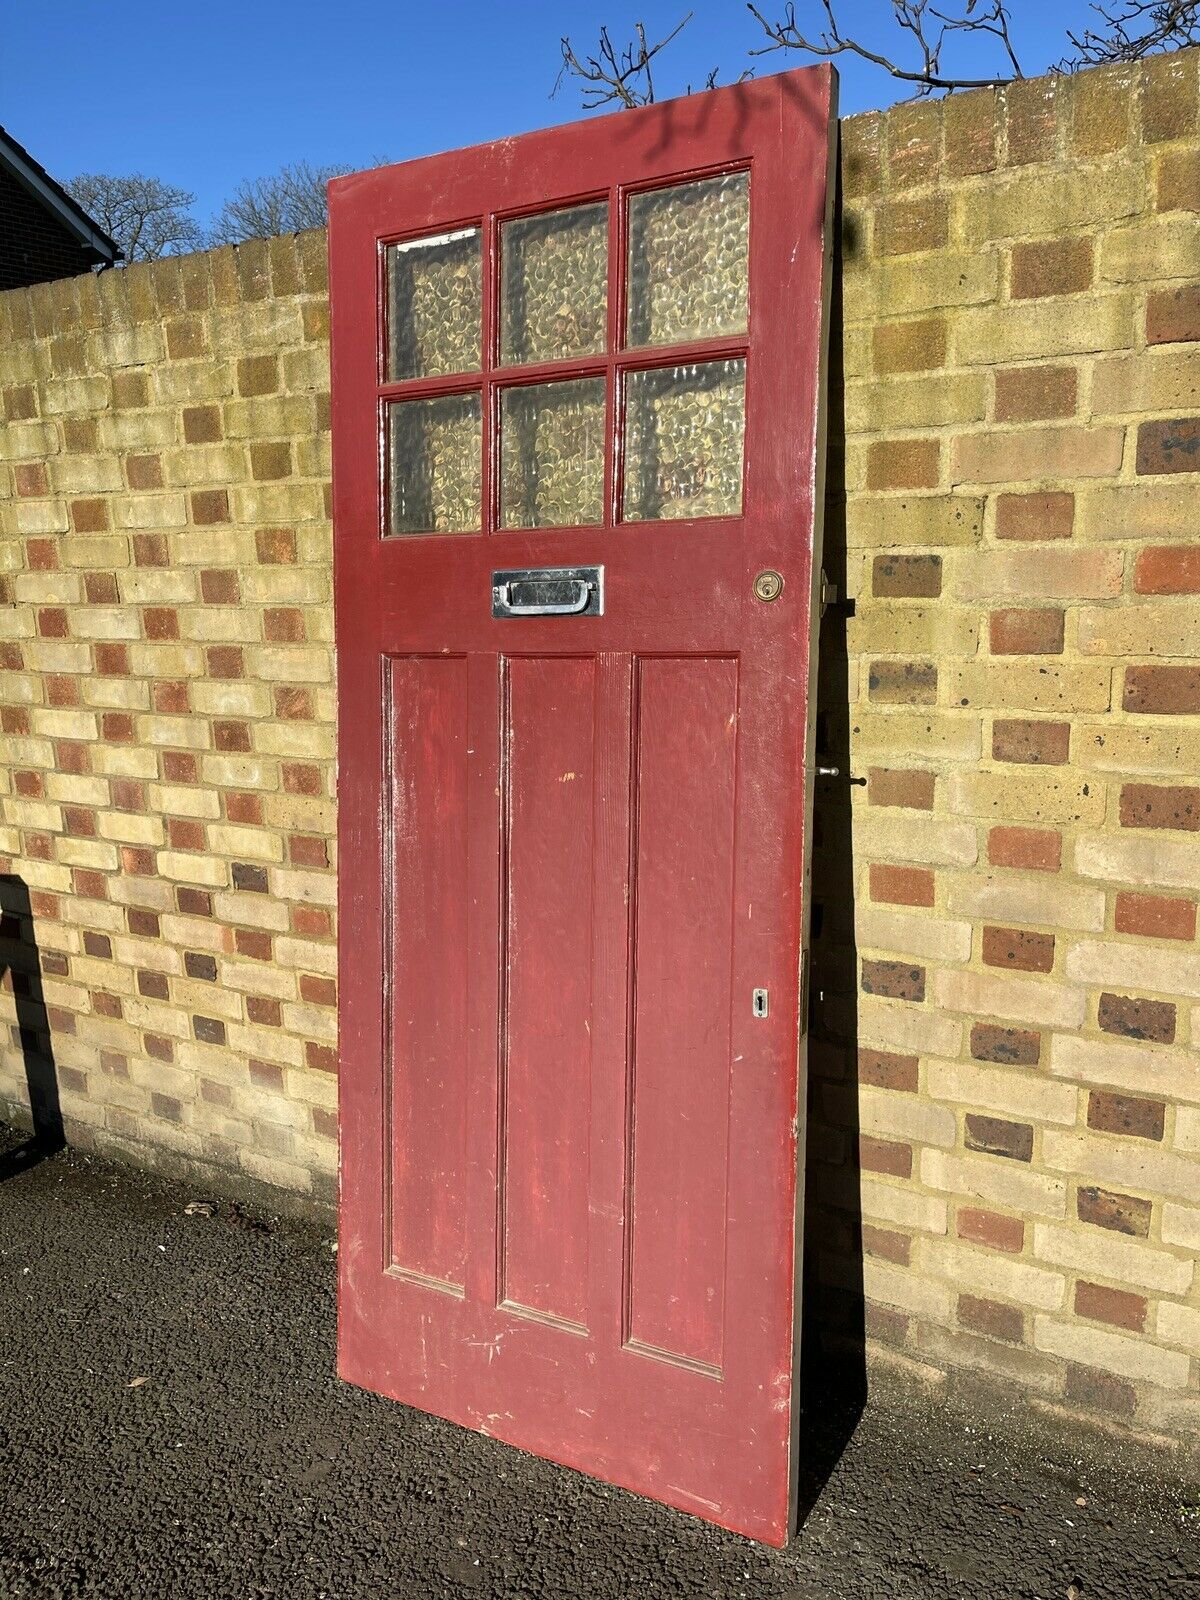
(625, 76)
(1135, 29)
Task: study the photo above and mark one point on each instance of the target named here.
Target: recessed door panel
(426, 981)
(548, 785)
(686, 765)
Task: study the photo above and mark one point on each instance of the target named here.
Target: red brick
(1126, 1114)
(995, 1136)
(230, 735)
(898, 980)
(266, 1013)
(245, 808)
(160, 1048)
(910, 789)
(225, 661)
(150, 550)
(128, 794)
(220, 588)
(884, 1069)
(41, 555)
(250, 942)
(172, 699)
(903, 682)
(161, 622)
(1027, 631)
(1051, 267)
(1117, 1307)
(1020, 950)
(143, 472)
(991, 1319)
(250, 878)
(193, 902)
(101, 588)
(1170, 445)
(209, 506)
(1162, 691)
(284, 625)
(179, 766)
(144, 924)
(1120, 1213)
(52, 622)
(293, 705)
(992, 1229)
(316, 991)
(1173, 315)
(312, 922)
(89, 516)
(886, 1156)
(1150, 805)
(1157, 916)
(1168, 569)
(266, 1074)
(322, 1057)
(1035, 394)
(275, 546)
(209, 1030)
(1136, 1018)
(886, 1245)
(902, 886)
(301, 778)
(31, 480)
(1100, 1391)
(307, 850)
(200, 966)
(117, 727)
(201, 424)
(1035, 849)
(917, 577)
(1032, 743)
(185, 833)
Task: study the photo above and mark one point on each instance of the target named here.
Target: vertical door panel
(427, 981)
(686, 744)
(548, 739)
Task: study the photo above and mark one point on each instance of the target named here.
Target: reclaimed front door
(576, 379)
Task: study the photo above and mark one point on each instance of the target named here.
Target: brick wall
(34, 246)
(1004, 1149)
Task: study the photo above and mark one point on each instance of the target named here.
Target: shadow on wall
(833, 1384)
(19, 960)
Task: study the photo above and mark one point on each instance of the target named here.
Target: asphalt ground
(171, 1425)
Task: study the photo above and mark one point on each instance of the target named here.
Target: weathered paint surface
(572, 848)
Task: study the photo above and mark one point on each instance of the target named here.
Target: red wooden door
(573, 843)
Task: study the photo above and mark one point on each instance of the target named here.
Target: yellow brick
(1166, 628)
(1037, 798)
(1114, 1352)
(912, 933)
(1164, 748)
(1125, 385)
(915, 402)
(1141, 859)
(907, 629)
(1152, 252)
(1036, 330)
(1006, 899)
(1037, 455)
(1040, 1001)
(1068, 200)
(999, 1183)
(1020, 1095)
(1027, 685)
(181, 867)
(935, 841)
(895, 1025)
(1136, 512)
(1116, 964)
(1135, 1165)
(990, 1273)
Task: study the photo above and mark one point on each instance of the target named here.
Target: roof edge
(35, 178)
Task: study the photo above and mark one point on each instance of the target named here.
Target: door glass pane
(552, 455)
(689, 261)
(554, 296)
(684, 428)
(435, 305)
(435, 450)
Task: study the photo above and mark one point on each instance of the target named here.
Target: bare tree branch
(1132, 30)
(624, 77)
(289, 201)
(146, 217)
(927, 27)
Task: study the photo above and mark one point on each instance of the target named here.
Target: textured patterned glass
(435, 305)
(552, 455)
(683, 441)
(435, 451)
(554, 294)
(689, 261)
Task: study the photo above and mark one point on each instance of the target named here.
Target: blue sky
(204, 96)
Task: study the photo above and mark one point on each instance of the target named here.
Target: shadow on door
(21, 963)
(833, 1384)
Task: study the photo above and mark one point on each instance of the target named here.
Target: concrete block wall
(1004, 1142)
